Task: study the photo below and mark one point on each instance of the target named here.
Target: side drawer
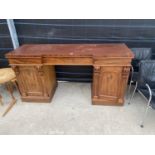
(112, 62)
(25, 61)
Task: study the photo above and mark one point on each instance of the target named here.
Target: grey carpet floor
(71, 112)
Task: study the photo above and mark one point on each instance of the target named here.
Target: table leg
(1, 102)
(10, 90)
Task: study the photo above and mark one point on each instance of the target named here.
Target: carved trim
(16, 69)
(40, 70)
(97, 69)
(96, 81)
(41, 74)
(125, 72)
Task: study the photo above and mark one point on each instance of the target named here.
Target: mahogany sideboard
(34, 68)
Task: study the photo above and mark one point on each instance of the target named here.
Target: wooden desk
(34, 67)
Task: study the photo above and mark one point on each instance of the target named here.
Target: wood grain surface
(34, 67)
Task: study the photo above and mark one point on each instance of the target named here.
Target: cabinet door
(29, 81)
(109, 83)
(36, 83)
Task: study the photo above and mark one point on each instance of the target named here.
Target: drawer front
(24, 61)
(112, 62)
(67, 61)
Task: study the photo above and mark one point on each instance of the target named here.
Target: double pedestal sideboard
(34, 65)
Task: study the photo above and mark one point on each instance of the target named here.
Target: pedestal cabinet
(109, 84)
(36, 83)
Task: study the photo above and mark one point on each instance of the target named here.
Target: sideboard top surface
(71, 50)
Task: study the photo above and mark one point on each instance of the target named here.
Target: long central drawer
(67, 61)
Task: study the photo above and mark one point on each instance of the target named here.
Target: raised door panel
(109, 83)
(29, 81)
(36, 83)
